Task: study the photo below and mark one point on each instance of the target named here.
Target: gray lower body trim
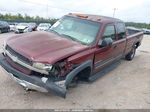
(101, 63)
(25, 84)
(78, 69)
(104, 71)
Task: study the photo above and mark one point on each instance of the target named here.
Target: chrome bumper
(25, 84)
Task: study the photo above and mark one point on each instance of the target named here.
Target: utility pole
(114, 12)
(47, 10)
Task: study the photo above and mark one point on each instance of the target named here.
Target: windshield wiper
(54, 31)
(68, 36)
(72, 38)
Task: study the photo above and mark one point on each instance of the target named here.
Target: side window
(121, 30)
(109, 32)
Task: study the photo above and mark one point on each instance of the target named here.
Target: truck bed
(133, 31)
(133, 36)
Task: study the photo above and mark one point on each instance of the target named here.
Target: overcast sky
(127, 10)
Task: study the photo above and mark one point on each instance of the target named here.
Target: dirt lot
(127, 86)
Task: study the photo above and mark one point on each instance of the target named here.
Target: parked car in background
(4, 27)
(133, 28)
(21, 27)
(25, 27)
(146, 31)
(33, 26)
(12, 26)
(43, 26)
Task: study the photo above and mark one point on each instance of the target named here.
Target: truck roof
(97, 18)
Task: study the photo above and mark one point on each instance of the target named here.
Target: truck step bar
(104, 71)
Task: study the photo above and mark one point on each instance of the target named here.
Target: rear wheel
(131, 54)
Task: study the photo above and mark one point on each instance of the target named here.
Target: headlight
(4, 44)
(26, 30)
(4, 47)
(42, 66)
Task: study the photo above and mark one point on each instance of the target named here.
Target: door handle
(115, 47)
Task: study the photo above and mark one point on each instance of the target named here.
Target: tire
(73, 83)
(80, 77)
(8, 30)
(0, 31)
(131, 54)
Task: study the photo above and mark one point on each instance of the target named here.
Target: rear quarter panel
(133, 39)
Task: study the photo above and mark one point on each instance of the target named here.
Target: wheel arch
(137, 44)
(86, 65)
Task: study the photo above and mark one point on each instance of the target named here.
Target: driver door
(106, 55)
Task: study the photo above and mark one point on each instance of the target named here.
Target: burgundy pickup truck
(77, 47)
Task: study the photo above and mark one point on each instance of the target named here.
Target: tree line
(138, 25)
(9, 16)
(25, 17)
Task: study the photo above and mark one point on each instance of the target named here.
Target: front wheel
(131, 54)
(73, 83)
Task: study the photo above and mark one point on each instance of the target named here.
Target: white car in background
(146, 31)
(43, 26)
(33, 26)
(23, 27)
(12, 26)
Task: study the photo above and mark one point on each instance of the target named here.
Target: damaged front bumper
(33, 82)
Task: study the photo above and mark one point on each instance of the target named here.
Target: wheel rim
(133, 53)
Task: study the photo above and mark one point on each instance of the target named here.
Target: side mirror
(106, 42)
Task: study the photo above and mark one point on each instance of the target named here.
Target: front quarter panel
(83, 56)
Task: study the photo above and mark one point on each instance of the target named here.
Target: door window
(121, 30)
(109, 32)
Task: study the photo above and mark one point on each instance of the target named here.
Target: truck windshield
(77, 29)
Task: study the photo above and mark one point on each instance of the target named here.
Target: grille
(19, 56)
(20, 30)
(18, 66)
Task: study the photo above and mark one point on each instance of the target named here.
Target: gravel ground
(127, 86)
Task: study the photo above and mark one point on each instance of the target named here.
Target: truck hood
(44, 47)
